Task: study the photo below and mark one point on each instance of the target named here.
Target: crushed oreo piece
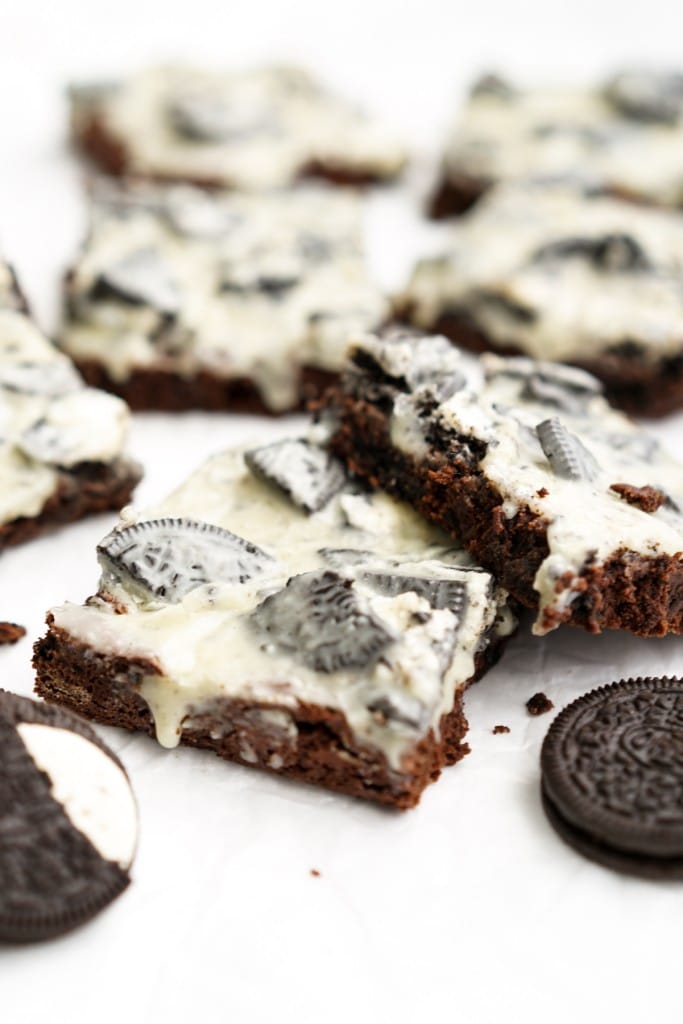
(398, 709)
(654, 97)
(319, 619)
(440, 589)
(493, 85)
(141, 278)
(308, 474)
(168, 558)
(338, 558)
(566, 453)
(613, 253)
(53, 378)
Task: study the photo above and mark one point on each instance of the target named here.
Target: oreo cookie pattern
(68, 822)
(612, 776)
(353, 627)
(552, 271)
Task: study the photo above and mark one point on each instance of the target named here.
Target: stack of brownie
(364, 571)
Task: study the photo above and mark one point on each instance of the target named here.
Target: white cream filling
(267, 338)
(92, 789)
(207, 648)
(576, 309)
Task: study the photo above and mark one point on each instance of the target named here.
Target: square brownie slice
(573, 507)
(624, 134)
(277, 612)
(556, 271)
(251, 130)
(187, 299)
(61, 443)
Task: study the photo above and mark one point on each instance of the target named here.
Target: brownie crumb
(543, 492)
(10, 632)
(315, 873)
(498, 729)
(649, 499)
(539, 704)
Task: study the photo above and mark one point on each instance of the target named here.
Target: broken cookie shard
(230, 618)
(308, 474)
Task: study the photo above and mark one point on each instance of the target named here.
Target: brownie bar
(184, 299)
(62, 447)
(252, 130)
(520, 469)
(353, 628)
(553, 271)
(506, 133)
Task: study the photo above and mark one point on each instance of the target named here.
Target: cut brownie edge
(166, 391)
(628, 591)
(84, 491)
(639, 388)
(103, 688)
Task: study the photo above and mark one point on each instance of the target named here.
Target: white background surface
(468, 908)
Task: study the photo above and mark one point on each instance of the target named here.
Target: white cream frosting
(575, 308)
(206, 644)
(91, 787)
(49, 421)
(503, 134)
(214, 249)
(587, 521)
(260, 128)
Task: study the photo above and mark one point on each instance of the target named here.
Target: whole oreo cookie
(612, 776)
(68, 821)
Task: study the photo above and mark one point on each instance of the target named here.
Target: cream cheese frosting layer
(552, 445)
(560, 273)
(320, 593)
(236, 286)
(250, 130)
(49, 421)
(625, 134)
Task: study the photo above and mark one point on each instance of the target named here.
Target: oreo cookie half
(612, 776)
(68, 821)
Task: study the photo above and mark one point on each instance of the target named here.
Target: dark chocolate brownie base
(95, 139)
(86, 490)
(632, 384)
(165, 391)
(642, 595)
(455, 194)
(103, 688)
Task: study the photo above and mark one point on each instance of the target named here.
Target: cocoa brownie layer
(86, 490)
(638, 387)
(103, 688)
(172, 392)
(353, 627)
(444, 479)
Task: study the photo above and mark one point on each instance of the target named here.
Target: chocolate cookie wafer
(68, 821)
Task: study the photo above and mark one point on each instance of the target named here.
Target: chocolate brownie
(61, 449)
(351, 627)
(612, 768)
(184, 299)
(250, 130)
(523, 461)
(68, 821)
(626, 134)
(554, 271)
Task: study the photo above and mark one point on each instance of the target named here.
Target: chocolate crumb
(542, 492)
(315, 873)
(10, 632)
(498, 729)
(539, 704)
(648, 499)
